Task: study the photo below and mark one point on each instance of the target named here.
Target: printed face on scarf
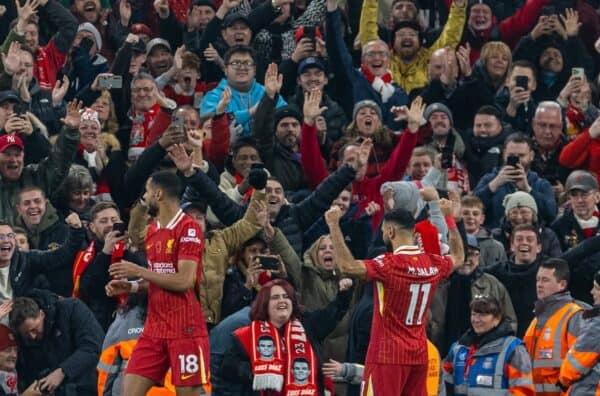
(325, 254)
(243, 160)
(483, 322)
(266, 347)
(31, 207)
(551, 60)
(480, 17)
(406, 43)
(367, 121)
(7, 243)
(403, 11)
(525, 246)
(312, 79)
(300, 371)
(89, 10)
(486, 126)
(8, 359)
(237, 34)
(143, 94)
(103, 222)
(376, 57)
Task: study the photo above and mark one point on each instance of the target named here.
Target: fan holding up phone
(521, 85)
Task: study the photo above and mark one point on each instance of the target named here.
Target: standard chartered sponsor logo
(163, 268)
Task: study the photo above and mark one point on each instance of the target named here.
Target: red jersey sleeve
(444, 263)
(190, 242)
(378, 268)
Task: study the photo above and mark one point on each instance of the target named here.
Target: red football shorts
(394, 380)
(188, 359)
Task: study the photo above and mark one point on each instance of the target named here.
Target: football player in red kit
(405, 282)
(175, 334)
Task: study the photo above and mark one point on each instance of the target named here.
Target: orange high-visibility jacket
(580, 371)
(549, 337)
(120, 339)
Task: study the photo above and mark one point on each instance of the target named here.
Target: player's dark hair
(300, 360)
(168, 182)
(487, 305)
(23, 308)
(401, 218)
(266, 338)
(560, 267)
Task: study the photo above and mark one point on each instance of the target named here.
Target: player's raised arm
(457, 250)
(343, 258)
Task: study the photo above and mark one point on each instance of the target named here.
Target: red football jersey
(405, 282)
(171, 314)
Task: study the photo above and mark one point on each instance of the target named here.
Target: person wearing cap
(311, 76)
(247, 93)
(59, 344)
(372, 81)
(495, 185)
(483, 27)
(447, 142)
(410, 59)
(520, 208)
(85, 59)
(583, 152)
(579, 223)
(158, 56)
(49, 59)
(48, 174)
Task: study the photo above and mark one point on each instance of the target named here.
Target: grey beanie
(88, 27)
(366, 103)
(406, 195)
(518, 199)
(434, 108)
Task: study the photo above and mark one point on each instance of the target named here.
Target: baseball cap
(581, 180)
(311, 61)
(7, 337)
(7, 141)
(157, 42)
(233, 18)
(9, 95)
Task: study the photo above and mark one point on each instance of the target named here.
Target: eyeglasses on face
(237, 64)
(10, 237)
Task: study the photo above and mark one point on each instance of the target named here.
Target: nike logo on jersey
(186, 377)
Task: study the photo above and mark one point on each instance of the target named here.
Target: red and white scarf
(138, 137)
(85, 257)
(276, 373)
(589, 226)
(382, 84)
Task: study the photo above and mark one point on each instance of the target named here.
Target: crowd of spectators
(271, 112)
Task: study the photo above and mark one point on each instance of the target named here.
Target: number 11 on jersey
(416, 289)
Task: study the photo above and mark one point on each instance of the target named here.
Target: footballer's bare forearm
(343, 257)
(180, 281)
(457, 251)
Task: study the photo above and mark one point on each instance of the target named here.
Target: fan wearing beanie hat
(87, 62)
(520, 199)
(86, 29)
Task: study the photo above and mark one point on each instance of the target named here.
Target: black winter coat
(72, 341)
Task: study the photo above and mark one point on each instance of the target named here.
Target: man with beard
(447, 142)
(515, 176)
(158, 56)
(405, 281)
(90, 270)
(49, 59)
(175, 330)
(410, 59)
(59, 344)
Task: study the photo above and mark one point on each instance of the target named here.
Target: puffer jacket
(48, 174)
(72, 341)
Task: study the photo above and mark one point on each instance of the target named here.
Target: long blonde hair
(111, 125)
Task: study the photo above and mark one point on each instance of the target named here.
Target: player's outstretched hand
(116, 287)
(125, 269)
(332, 368)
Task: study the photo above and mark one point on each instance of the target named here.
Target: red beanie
(7, 337)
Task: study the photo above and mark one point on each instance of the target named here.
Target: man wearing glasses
(246, 92)
(22, 271)
(580, 223)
